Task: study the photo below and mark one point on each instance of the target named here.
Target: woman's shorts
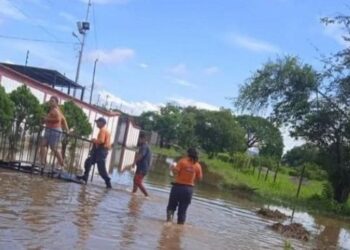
(53, 136)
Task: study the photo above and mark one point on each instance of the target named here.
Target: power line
(36, 24)
(33, 39)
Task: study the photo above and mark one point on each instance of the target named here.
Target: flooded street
(42, 213)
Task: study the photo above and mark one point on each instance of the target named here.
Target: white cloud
(336, 31)
(114, 56)
(143, 65)
(184, 102)
(134, 108)
(178, 70)
(7, 9)
(288, 141)
(211, 70)
(106, 1)
(185, 83)
(252, 44)
(9, 61)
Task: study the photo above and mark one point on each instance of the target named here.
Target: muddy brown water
(42, 213)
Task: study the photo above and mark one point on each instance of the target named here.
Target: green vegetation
(284, 188)
(170, 152)
(215, 132)
(313, 104)
(288, 245)
(6, 109)
(76, 119)
(261, 132)
(27, 107)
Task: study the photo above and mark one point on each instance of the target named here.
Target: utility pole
(27, 56)
(83, 27)
(93, 80)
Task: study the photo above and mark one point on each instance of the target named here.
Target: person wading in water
(54, 123)
(187, 172)
(99, 153)
(142, 161)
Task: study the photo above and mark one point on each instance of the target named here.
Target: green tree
(167, 124)
(27, 107)
(297, 156)
(187, 128)
(263, 134)
(76, 119)
(313, 105)
(147, 120)
(219, 131)
(6, 109)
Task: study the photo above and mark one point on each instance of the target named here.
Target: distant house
(45, 83)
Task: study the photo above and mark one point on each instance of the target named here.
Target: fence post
(260, 169)
(278, 167)
(301, 180)
(36, 150)
(267, 174)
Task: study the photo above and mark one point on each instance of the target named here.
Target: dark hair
(193, 154)
(55, 98)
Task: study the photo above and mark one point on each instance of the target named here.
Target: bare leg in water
(43, 151)
(138, 178)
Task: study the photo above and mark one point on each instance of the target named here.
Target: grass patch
(283, 188)
(170, 152)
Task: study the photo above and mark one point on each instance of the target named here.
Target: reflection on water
(41, 213)
(131, 224)
(171, 237)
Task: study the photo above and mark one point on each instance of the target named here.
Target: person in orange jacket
(99, 153)
(187, 172)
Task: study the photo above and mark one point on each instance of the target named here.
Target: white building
(44, 83)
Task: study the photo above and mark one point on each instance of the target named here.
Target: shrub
(241, 160)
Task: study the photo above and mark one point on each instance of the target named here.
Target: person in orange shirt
(54, 123)
(187, 172)
(98, 154)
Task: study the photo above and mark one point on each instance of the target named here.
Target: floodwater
(41, 213)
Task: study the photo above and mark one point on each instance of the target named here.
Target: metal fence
(23, 148)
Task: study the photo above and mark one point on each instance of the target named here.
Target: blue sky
(194, 52)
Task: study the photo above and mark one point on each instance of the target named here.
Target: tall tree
(147, 120)
(76, 119)
(167, 124)
(27, 107)
(187, 128)
(297, 156)
(219, 131)
(263, 134)
(312, 106)
(6, 109)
